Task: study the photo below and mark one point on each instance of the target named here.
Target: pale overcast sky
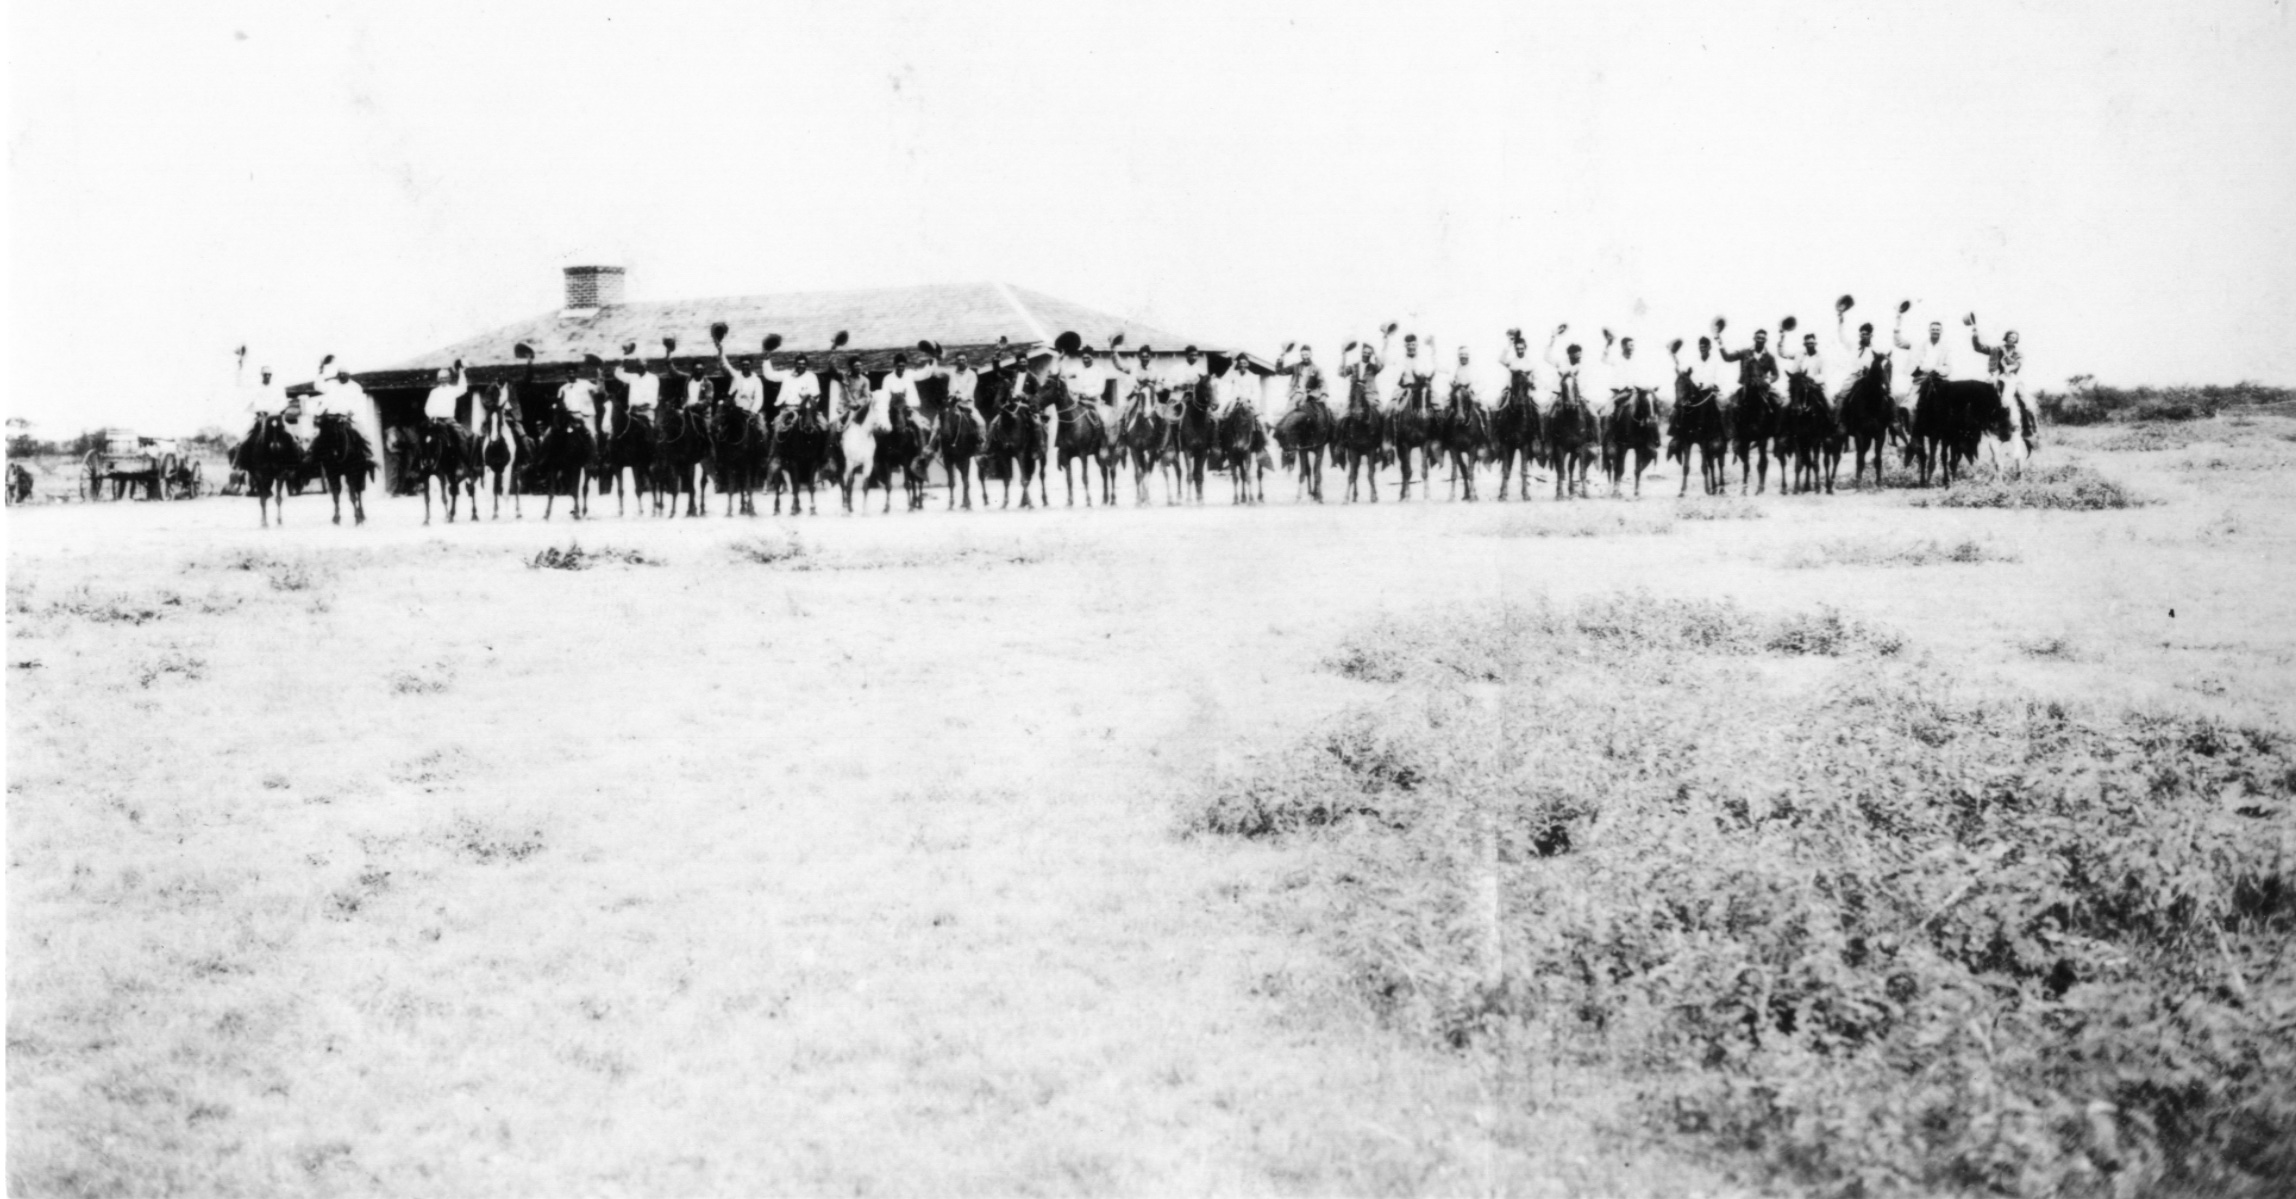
(2117, 181)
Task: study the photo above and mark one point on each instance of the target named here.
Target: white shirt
(440, 404)
(264, 399)
(1238, 386)
(1558, 360)
(1794, 360)
(1085, 382)
(580, 397)
(1625, 372)
(748, 392)
(1410, 369)
(964, 384)
(337, 398)
(645, 387)
(1709, 371)
(1489, 388)
(1935, 357)
(1513, 362)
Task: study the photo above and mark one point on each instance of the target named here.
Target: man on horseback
(266, 405)
(1306, 378)
(1514, 358)
(1757, 367)
(1566, 369)
(1931, 359)
(1865, 357)
(2005, 364)
(1414, 376)
(1362, 375)
(747, 391)
(799, 395)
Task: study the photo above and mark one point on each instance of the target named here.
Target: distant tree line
(2088, 402)
(22, 444)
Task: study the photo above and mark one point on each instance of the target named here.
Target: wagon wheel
(191, 485)
(92, 477)
(164, 478)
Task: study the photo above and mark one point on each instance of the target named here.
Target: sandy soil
(377, 859)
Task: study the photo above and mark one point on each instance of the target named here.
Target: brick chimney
(589, 288)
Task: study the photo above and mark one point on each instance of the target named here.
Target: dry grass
(1968, 551)
(442, 874)
(2070, 487)
(1871, 936)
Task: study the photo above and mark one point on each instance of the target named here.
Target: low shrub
(772, 550)
(1719, 509)
(574, 557)
(2066, 488)
(1875, 937)
(1581, 522)
(1847, 552)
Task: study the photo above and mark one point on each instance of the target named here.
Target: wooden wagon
(155, 466)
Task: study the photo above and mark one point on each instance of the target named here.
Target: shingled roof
(881, 321)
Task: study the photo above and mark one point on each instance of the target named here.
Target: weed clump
(574, 557)
(1846, 552)
(776, 550)
(1877, 937)
(2064, 488)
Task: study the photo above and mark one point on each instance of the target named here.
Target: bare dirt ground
(348, 860)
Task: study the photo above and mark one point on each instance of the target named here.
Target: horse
(1950, 417)
(1517, 430)
(1198, 437)
(1243, 444)
(1362, 439)
(1866, 415)
(1572, 435)
(273, 462)
(1016, 443)
(1304, 433)
(1143, 436)
(1407, 430)
(630, 447)
(1753, 422)
(903, 446)
(1697, 426)
(1629, 429)
(958, 438)
(1463, 432)
(564, 459)
(1805, 432)
(738, 446)
(505, 450)
(798, 449)
(441, 451)
(341, 455)
(681, 448)
(855, 455)
(1079, 434)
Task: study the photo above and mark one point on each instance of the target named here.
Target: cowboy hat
(522, 351)
(772, 342)
(838, 341)
(717, 331)
(1068, 342)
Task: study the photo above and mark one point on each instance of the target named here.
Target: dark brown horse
(629, 447)
(273, 463)
(1950, 420)
(1697, 427)
(564, 458)
(1362, 440)
(957, 439)
(1408, 430)
(681, 448)
(1243, 446)
(344, 460)
(1079, 437)
(1303, 434)
(1573, 435)
(1867, 413)
(1144, 436)
(1197, 437)
(1629, 431)
(1753, 422)
(1517, 434)
(1016, 442)
(505, 450)
(739, 445)
(1463, 432)
(443, 450)
(1806, 432)
(795, 455)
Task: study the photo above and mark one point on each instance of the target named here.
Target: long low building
(879, 322)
